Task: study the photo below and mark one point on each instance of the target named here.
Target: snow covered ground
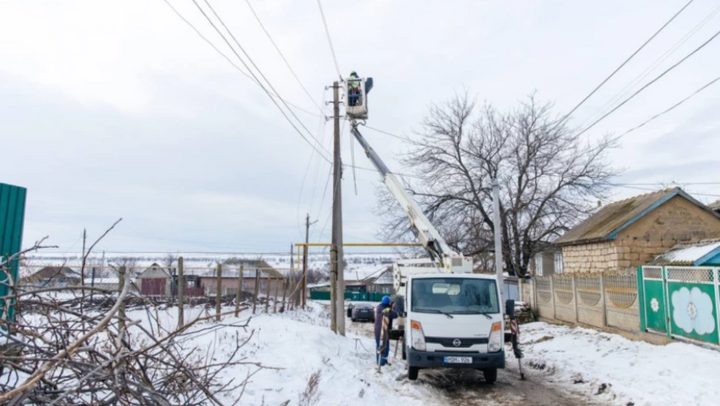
(618, 371)
(294, 346)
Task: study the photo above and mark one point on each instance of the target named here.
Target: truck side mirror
(510, 308)
(400, 305)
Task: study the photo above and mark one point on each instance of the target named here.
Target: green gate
(12, 216)
(681, 302)
(653, 285)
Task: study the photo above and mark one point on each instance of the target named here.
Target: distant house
(702, 253)
(155, 281)
(53, 276)
(230, 274)
(634, 231)
(380, 282)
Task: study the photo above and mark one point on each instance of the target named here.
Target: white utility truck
(449, 316)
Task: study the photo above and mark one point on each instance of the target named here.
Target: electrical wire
(256, 68)
(650, 83)
(624, 63)
(239, 69)
(283, 56)
(327, 33)
(655, 190)
(669, 109)
(625, 90)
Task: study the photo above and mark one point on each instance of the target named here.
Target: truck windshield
(454, 296)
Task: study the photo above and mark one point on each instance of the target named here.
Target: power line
(239, 69)
(327, 33)
(649, 83)
(654, 190)
(668, 110)
(652, 66)
(625, 63)
(283, 56)
(256, 78)
(387, 133)
(659, 183)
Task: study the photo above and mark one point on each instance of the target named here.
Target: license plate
(458, 360)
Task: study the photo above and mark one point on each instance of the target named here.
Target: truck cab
(452, 321)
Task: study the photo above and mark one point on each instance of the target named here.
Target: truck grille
(450, 342)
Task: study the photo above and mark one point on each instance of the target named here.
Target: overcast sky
(119, 109)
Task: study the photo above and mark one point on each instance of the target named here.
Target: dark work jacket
(379, 317)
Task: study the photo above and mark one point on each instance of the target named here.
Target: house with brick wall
(632, 232)
(231, 273)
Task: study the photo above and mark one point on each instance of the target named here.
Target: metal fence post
(121, 310)
(268, 281)
(668, 319)
(218, 292)
(238, 294)
(717, 298)
(602, 298)
(181, 292)
(257, 289)
(641, 298)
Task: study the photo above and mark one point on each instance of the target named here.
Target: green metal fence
(680, 301)
(12, 217)
(349, 295)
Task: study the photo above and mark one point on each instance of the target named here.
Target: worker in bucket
(382, 343)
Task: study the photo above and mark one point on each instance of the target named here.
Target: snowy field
(601, 368)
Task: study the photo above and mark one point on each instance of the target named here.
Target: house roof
(715, 206)
(610, 220)
(56, 271)
(382, 276)
(690, 254)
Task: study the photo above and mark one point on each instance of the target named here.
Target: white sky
(119, 109)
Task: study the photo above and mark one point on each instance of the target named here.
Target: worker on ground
(383, 309)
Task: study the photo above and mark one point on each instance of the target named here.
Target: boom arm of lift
(429, 237)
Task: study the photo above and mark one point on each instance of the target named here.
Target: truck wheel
(413, 373)
(490, 375)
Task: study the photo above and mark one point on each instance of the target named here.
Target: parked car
(363, 311)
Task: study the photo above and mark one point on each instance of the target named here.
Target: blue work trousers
(385, 352)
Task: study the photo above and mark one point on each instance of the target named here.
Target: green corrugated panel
(12, 218)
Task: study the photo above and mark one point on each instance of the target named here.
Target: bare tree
(169, 260)
(549, 178)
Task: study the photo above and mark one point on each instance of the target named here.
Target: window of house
(558, 262)
(538, 265)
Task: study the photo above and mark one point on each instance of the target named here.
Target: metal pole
(291, 277)
(337, 238)
(498, 240)
(218, 293)
(268, 281)
(238, 294)
(181, 293)
(305, 260)
(121, 310)
(257, 288)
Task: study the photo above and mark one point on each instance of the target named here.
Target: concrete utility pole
(305, 258)
(498, 240)
(336, 254)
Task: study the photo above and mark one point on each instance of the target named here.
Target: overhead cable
(669, 109)
(283, 57)
(256, 78)
(650, 83)
(625, 62)
(327, 33)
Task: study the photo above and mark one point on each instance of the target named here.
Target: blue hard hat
(385, 300)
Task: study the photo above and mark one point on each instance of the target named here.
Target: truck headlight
(495, 342)
(417, 337)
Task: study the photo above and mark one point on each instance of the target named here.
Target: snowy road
(467, 387)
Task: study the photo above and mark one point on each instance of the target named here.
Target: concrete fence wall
(600, 300)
